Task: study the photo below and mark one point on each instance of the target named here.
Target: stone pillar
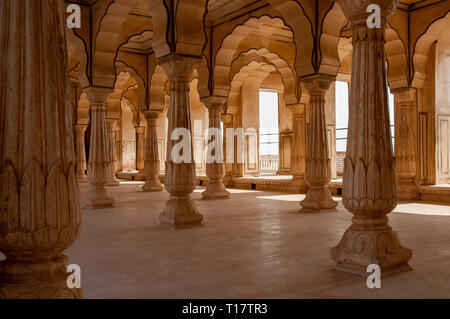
(98, 165)
(227, 124)
(80, 152)
(298, 151)
(140, 158)
(152, 164)
(369, 186)
(180, 179)
(39, 202)
(405, 114)
(318, 166)
(111, 131)
(215, 166)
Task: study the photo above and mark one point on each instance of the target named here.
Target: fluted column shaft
(152, 163)
(140, 158)
(111, 131)
(228, 178)
(80, 152)
(39, 204)
(98, 165)
(180, 178)
(298, 151)
(318, 169)
(215, 169)
(369, 186)
(405, 112)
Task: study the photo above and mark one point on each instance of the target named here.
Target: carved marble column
(180, 179)
(227, 124)
(140, 158)
(111, 131)
(298, 151)
(318, 169)
(152, 163)
(369, 186)
(405, 114)
(39, 203)
(80, 152)
(215, 170)
(98, 165)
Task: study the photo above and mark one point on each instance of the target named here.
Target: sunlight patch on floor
(423, 209)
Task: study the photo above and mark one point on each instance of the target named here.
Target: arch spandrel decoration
(114, 99)
(157, 89)
(106, 42)
(77, 47)
(397, 57)
(183, 31)
(332, 24)
(422, 49)
(141, 86)
(297, 19)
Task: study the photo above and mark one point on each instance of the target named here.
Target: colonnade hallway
(254, 245)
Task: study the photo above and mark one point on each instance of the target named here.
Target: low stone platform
(283, 183)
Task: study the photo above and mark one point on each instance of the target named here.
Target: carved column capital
(318, 84)
(356, 11)
(215, 103)
(404, 95)
(151, 115)
(179, 68)
(97, 95)
(80, 128)
(297, 109)
(140, 130)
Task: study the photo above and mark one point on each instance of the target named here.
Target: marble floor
(254, 245)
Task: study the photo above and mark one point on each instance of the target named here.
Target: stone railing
(268, 163)
(340, 156)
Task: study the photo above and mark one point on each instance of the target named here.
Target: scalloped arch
(228, 50)
(332, 25)
(422, 48)
(79, 48)
(106, 42)
(291, 94)
(141, 89)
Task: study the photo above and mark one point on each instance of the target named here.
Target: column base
(228, 180)
(318, 199)
(152, 185)
(82, 178)
(43, 280)
(300, 184)
(407, 189)
(113, 183)
(99, 198)
(140, 176)
(359, 248)
(180, 213)
(215, 190)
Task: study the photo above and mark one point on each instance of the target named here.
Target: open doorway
(268, 132)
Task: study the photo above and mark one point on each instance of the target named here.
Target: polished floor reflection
(254, 245)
